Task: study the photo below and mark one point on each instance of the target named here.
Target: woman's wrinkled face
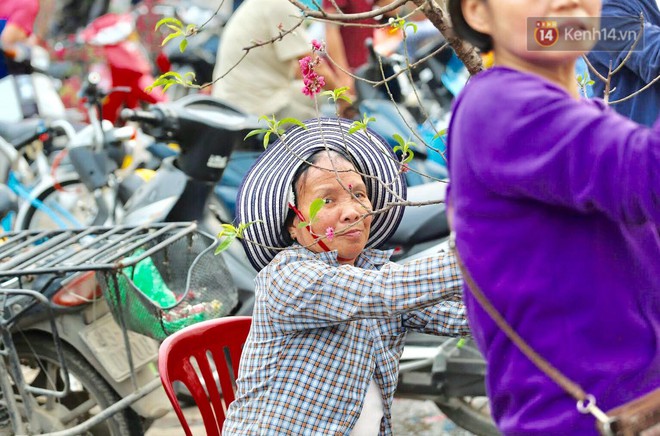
(345, 210)
(512, 23)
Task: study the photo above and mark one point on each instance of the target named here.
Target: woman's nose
(351, 211)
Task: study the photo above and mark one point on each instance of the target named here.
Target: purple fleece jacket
(557, 205)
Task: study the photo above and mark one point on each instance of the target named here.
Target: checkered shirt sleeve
(315, 293)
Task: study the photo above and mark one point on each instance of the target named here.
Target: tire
(470, 413)
(73, 200)
(39, 363)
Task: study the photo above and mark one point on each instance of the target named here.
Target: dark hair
(480, 40)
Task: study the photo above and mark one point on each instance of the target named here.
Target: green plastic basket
(177, 286)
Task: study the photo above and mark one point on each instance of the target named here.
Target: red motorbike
(110, 46)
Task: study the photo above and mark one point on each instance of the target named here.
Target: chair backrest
(204, 357)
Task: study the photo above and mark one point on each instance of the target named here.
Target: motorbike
(110, 47)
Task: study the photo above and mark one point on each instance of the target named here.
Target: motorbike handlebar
(139, 116)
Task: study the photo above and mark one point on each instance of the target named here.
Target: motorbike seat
(423, 223)
(23, 132)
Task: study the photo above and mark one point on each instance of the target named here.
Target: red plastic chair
(216, 343)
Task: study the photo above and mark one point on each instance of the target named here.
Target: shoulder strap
(568, 385)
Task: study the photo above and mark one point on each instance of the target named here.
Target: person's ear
(292, 228)
(477, 15)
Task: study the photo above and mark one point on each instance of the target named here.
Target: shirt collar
(370, 258)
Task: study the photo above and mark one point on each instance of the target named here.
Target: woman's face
(512, 24)
(345, 212)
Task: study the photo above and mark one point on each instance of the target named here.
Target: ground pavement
(410, 417)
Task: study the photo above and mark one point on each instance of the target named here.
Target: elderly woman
(556, 219)
(331, 312)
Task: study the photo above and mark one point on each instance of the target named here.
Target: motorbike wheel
(470, 413)
(72, 206)
(41, 367)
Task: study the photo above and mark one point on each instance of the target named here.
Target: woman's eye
(327, 200)
(360, 194)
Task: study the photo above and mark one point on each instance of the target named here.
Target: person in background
(266, 81)
(556, 216)
(641, 68)
(17, 18)
(346, 44)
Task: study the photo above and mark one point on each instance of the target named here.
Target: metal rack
(91, 249)
(65, 255)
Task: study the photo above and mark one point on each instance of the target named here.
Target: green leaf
(409, 156)
(224, 244)
(169, 20)
(267, 138)
(579, 78)
(315, 207)
(243, 226)
(302, 225)
(253, 133)
(460, 343)
(591, 82)
(183, 44)
(295, 121)
(413, 25)
(440, 133)
(399, 140)
(227, 229)
(356, 126)
(170, 37)
(346, 99)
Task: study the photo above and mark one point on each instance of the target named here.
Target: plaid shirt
(321, 331)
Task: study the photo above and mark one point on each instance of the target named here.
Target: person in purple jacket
(556, 204)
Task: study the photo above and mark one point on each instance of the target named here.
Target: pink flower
(330, 233)
(305, 67)
(405, 168)
(313, 82)
(317, 46)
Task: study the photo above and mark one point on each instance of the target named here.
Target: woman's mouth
(352, 233)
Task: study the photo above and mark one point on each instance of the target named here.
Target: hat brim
(262, 196)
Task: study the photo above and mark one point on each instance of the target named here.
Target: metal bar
(18, 261)
(109, 411)
(111, 244)
(124, 331)
(8, 392)
(27, 237)
(70, 255)
(14, 362)
(65, 241)
(104, 254)
(110, 248)
(184, 232)
(152, 250)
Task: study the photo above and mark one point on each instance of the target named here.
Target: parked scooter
(119, 59)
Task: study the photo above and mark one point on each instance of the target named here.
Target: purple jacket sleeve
(552, 148)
